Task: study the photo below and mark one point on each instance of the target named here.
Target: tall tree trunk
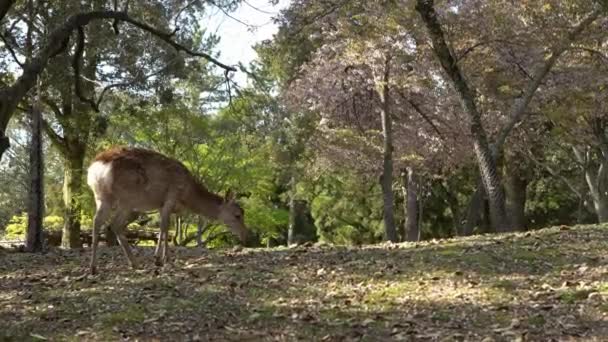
(386, 181)
(293, 212)
(597, 181)
(486, 156)
(452, 201)
(72, 197)
(474, 211)
(33, 242)
(403, 230)
(491, 180)
(485, 159)
(516, 186)
(413, 205)
(600, 200)
(35, 214)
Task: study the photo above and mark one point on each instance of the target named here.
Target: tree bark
(516, 186)
(33, 238)
(5, 6)
(413, 205)
(293, 211)
(386, 181)
(486, 162)
(33, 241)
(72, 197)
(474, 211)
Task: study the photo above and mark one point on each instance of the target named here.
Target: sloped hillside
(547, 284)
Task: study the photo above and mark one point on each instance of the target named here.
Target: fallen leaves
(541, 285)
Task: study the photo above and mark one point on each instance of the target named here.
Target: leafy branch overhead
(123, 16)
(58, 42)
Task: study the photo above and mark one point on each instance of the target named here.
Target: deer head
(231, 213)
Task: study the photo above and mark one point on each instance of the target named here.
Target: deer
(127, 181)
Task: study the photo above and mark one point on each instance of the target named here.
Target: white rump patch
(99, 173)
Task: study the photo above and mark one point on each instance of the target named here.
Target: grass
(543, 285)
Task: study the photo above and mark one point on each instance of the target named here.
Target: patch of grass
(603, 288)
(537, 321)
(506, 285)
(441, 316)
(388, 295)
(572, 296)
(130, 314)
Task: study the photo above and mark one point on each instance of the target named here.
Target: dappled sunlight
(404, 291)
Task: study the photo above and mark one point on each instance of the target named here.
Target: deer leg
(101, 217)
(118, 226)
(165, 216)
(160, 239)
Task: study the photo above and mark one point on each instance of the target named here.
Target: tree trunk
(491, 181)
(386, 181)
(412, 222)
(199, 232)
(403, 230)
(35, 215)
(293, 212)
(487, 156)
(516, 199)
(33, 242)
(600, 200)
(72, 196)
(474, 211)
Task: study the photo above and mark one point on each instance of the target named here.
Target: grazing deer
(132, 180)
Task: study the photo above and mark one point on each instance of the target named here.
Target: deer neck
(204, 202)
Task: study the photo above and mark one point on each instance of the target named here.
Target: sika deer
(129, 180)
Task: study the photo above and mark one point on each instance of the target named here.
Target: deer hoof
(158, 262)
(93, 270)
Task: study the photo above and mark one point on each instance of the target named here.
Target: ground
(543, 285)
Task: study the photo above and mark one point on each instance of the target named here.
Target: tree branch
(78, 53)
(518, 110)
(425, 117)
(555, 174)
(5, 6)
(57, 42)
(57, 140)
(54, 107)
(11, 50)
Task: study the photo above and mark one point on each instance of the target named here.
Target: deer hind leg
(102, 215)
(121, 220)
(163, 240)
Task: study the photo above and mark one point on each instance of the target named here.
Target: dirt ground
(545, 285)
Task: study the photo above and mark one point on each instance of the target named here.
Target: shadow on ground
(530, 286)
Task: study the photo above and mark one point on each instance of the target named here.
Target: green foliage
(17, 226)
(263, 218)
(345, 209)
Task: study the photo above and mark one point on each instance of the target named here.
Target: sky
(237, 37)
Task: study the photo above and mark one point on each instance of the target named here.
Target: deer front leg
(101, 217)
(118, 226)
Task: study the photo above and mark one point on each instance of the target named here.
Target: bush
(18, 225)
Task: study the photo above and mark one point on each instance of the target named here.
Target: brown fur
(133, 160)
(143, 180)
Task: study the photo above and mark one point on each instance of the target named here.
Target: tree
(58, 41)
(486, 153)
